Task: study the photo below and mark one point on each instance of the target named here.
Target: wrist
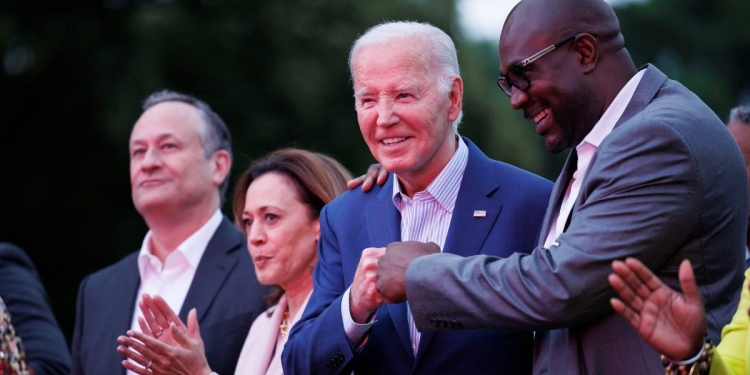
(700, 364)
(359, 315)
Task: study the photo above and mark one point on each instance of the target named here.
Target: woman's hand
(672, 323)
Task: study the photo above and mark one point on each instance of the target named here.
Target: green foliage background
(75, 74)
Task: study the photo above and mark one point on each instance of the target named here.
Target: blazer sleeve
(31, 313)
(637, 199)
(305, 352)
(732, 354)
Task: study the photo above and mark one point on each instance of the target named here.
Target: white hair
(439, 45)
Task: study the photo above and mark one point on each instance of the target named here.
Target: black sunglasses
(516, 76)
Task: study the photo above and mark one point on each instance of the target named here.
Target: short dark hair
(741, 114)
(216, 137)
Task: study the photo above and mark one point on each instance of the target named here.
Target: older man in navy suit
(442, 188)
(180, 156)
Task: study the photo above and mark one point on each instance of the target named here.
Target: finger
(136, 369)
(146, 345)
(687, 281)
(128, 349)
(168, 313)
(157, 312)
(144, 326)
(629, 314)
(382, 176)
(351, 184)
(132, 354)
(373, 173)
(367, 184)
(193, 329)
(641, 279)
(179, 337)
(373, 252)
(148, 316)
(431, 248)
(627, 295)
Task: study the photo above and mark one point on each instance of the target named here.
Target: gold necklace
(284, 326)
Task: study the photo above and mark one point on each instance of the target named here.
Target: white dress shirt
(586, 150)
(171, 280)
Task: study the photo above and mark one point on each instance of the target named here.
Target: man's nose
(386, 115)
(151, 159)
(518, 98)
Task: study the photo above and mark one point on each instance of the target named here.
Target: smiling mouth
(391, 141)
(541, 115)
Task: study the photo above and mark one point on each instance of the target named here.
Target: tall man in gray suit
(654, 175)
(193, 256)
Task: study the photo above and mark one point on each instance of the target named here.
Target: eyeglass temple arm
(545, 51)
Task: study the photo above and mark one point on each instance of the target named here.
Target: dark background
(75, 72)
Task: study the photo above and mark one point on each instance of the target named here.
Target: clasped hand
(165, 345)
(380, 276)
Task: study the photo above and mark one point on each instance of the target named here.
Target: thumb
(688, 284)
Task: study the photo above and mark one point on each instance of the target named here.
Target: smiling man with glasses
(516, 77)
(653, 175)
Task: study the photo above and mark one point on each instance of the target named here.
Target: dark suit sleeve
(31, 314)
(641, 198)
(317, 343)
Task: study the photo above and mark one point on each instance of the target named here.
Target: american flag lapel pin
(480, 213)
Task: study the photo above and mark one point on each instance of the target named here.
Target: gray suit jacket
(667, 184)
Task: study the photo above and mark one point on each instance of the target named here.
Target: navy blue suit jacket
(225, 292)
(31, 314)
(514, 201)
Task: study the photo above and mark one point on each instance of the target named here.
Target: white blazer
(259, 356)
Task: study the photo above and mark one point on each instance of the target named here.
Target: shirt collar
(608, 120)
(191, 249)
(444, 188)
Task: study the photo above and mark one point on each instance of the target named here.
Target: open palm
(673, 323)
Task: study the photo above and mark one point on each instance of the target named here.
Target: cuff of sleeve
(354, 331)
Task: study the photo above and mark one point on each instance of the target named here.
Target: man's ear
(586, 49)
(222, 163)
(456, 97)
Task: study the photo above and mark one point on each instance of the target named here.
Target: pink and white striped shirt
(427, 216)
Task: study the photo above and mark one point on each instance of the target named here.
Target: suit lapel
(651, 82)
(214, 267)
(123, 304)
(555, 201)
(384, 227)
(383, 219)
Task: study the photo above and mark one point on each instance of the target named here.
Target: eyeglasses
(516, 76)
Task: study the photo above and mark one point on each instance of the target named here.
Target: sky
(483, 19)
